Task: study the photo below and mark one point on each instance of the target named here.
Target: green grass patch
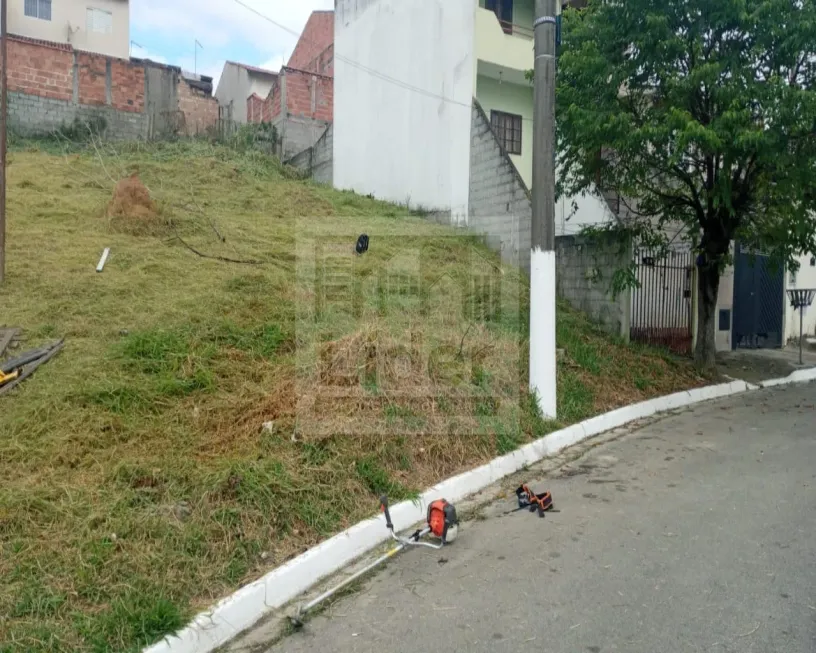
(379, 481)
(162, 459)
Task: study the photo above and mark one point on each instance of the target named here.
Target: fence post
(694, 306)
(626, 299)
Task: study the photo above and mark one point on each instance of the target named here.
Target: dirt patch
(132, 210)
(758, 365)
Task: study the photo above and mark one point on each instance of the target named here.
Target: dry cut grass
(237, 386)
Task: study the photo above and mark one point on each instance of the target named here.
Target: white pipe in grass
(103, 260)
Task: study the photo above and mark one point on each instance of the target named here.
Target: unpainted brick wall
(316, 38)
(308, 94)
(276, 99)
(500, 206)
(584, 275)
(305, 86)
(200, 110)
(127, 86)
(258, 109)
(318, 159)
(93, 79)
(324, 63)
(51, 85)
(40, 69)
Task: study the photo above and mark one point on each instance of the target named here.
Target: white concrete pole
(542, 256)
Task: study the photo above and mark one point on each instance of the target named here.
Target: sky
(166, 32)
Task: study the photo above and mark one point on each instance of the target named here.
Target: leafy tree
(699, 114)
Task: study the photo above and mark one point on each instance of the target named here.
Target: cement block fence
(500, 205)
(584, 275)
(317, 160)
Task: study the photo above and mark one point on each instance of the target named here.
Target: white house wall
(397, 138)
(725, 302)
(69, 24)
(260, 85)
(233, 85)
(805, 278)
(573, 214)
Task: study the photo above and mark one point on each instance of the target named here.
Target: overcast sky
(167, 31)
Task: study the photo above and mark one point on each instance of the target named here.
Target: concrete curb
(242, 610)
(799, 376)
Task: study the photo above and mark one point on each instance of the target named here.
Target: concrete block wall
(500, 206)
(298, 134)
(584, 275)
(317, 160)
(31, 114)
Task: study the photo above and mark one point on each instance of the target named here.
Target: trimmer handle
(384, 508)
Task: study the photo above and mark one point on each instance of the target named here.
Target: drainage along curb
(242, 610)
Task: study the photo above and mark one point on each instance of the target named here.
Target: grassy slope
(139, 483)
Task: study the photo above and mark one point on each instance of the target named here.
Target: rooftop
(254, 69)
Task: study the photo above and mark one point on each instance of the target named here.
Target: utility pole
(3, 130)
(542, 255)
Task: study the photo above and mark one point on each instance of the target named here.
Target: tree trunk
(708, 287)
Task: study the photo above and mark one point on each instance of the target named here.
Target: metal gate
(759, 299)
(661, 305)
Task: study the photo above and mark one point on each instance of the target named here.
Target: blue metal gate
(759, 293)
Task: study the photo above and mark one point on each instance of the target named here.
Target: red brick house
(301, 101)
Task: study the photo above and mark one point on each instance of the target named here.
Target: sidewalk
(685, 535)
(754, 365)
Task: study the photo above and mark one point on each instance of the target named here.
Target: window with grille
(38, 9)
(508, 130)
(100, 21)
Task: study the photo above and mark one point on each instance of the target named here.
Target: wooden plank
(6, 336)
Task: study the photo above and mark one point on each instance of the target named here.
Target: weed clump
(132, 210)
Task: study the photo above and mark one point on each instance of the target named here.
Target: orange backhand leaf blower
(442, 523)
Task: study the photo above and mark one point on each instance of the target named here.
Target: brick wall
(93, 79)
(52, 85)
(309, 95)
(317, 37)
(324, 63)
(500, 206)
(200, 110)
(584, 276)
(275, 99)
(127, 86)
(257, 109)
(40, 69)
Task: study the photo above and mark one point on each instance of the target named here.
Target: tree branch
(223, 259)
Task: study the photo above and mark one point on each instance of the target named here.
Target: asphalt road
(695, 533)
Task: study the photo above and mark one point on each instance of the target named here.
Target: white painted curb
(239, 612)
(799, 376)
